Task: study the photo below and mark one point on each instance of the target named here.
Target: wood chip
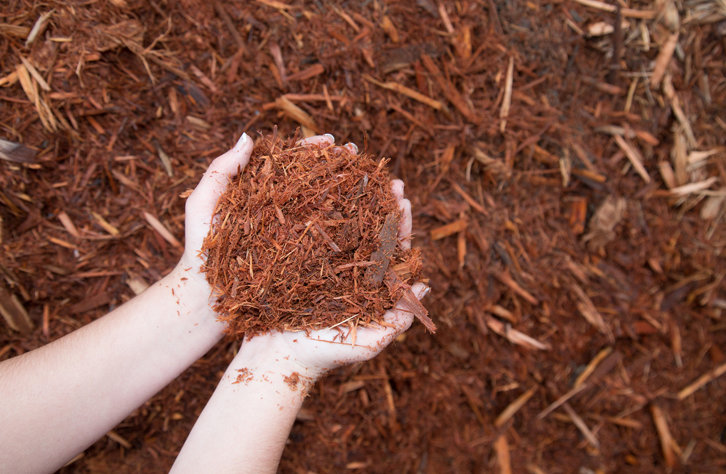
(507, 101)
(636, 159)
(668, 445)
(709, 376)
(390, 28)
(68, 224)
(587, 309)
(664, 57)
(582, 426)
(514, 336)
(38, 28)
(514, 407)
(505, 278)
(452, 228)
(501, 448)
(104, 223)
(451, 93)
(14, 312)
(296, 113)
(162, 230)
(408, 92)
(16, 152)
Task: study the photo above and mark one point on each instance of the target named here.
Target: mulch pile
(304, 238)
(565, 163)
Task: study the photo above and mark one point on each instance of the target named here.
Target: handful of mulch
(306, 238)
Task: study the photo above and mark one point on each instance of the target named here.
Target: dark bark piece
(382, 256)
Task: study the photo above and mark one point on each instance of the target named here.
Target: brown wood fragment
(507, 101)
(664, 57)
(636, 159)
(668, 445)
(582, 426)
(709, 376)
(14, 312)
(408, 92)
(514, 336)
(501, 448)
(451, 93)
(388, 238)
(410, 302)
(452, 228)
(296, 113)
(162, 230)
(305, 74)
(514, 407)
(505, 278)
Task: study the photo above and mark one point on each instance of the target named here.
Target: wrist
(192, 298)
(268, 357)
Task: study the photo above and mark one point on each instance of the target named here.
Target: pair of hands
(314, 353)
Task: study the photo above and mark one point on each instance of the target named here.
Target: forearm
(245, 424)
(58, 399)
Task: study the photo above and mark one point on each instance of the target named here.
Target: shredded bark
(302, 239)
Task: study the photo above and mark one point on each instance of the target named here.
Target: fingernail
(242, 140)
(353, 145)
(329, 135)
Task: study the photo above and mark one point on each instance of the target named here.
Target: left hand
(202, 202)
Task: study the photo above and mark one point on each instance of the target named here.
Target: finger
(398, 320)
(319, 140)
(405, 226)
(397, 189)
(215, 179)
(351, 147)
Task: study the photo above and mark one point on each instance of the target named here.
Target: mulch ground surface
(564, 159)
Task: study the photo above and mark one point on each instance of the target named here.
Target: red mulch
(565, 268)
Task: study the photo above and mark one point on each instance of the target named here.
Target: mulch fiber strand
(565, 164)
(304, 239)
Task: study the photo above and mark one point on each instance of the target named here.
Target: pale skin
(67, 394)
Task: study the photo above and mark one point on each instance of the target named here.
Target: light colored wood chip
(709, 376)
(636, 159)
(507, 101)
(390, 29)
(664, 57)
(588, 310)
(514, 336)
(693, 188)
(137, 284)
(408, 92)
(296, 113)
(514, 407)
(38, 28)
(592, 365)
(162, 230)
(68, 224)
(668, 445)
(119, 439)
(582, 426)
(449, 229)
(562, 400)
(106, 226)
(506, 279)
(501, 448)
(36, 75)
